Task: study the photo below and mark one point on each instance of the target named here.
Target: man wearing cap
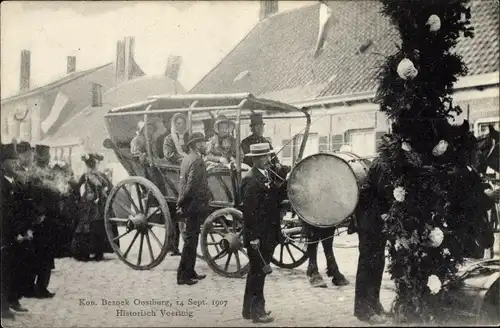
(15, 230)
(261, 228)
(192, 204)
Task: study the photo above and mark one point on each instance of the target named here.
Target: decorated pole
(436, 194)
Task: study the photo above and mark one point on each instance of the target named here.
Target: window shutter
(337, 142)
(287, 148)
(323, 144)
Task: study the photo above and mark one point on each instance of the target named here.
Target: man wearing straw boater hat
(15, 231)
(192, 204)
(261, 224)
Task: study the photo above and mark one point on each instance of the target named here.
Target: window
(362, 142)
(481, 125)
(323, 144)
(287, 148)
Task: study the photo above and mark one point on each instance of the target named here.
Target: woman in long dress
(90, 234)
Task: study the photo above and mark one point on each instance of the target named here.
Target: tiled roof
(278, 52)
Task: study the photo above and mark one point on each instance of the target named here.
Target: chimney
(267, 8)
(125, 64)
(24, 84)
(96, 95)
(173, 67)
(71, 64)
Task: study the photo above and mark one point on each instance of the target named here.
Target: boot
(258, 315)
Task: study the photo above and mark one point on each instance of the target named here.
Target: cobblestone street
(288, 294)
(80, 288)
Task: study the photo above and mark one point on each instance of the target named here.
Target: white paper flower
(456, 120)
(440, 148)
(446, 252)
(399, 194)
(405, 146)
(434, 284)
(406, 69)
(436, 237)
(401, 243)
(434, 23)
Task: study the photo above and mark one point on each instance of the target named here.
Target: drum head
(323, 190)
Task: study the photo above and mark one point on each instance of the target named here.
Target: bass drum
(323, 189)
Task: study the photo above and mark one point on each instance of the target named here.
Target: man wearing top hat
(192, 204)
(261, 228)
(15, 231)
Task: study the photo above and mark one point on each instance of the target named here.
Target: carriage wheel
(221, 243)
(291, 250)
(137, 213)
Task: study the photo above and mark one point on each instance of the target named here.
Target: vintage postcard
(246, 163)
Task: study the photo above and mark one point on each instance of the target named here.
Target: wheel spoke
(130, 246)
(118, 220)
(297, 247)
(152, 224)
(139, 258)
(213, 240)
(150, 247)
(154, 212)
(139, 197)
(289, 252)
(220, 255)
(228, 261)
(124, 207)
(281, 252)
(212, 243)
(238, 264)
(124, 234)
(131, 200)
(155, 237)
(221, 219)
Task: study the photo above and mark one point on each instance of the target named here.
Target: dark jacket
(251, 140)
(373, 201)
(170, 151)
(194, 193)
(261, 213)
(16, 212)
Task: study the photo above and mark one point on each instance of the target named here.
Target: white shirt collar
(264, 172)
(11, 180)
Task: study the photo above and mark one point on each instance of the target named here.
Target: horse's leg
(312, 270)
(332, 269)
(312, 253)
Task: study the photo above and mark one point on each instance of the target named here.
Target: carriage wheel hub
(231, 242)
(138, 222)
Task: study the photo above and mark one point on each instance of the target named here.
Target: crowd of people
(46, 214)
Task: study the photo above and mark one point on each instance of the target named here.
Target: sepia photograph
(330, 163)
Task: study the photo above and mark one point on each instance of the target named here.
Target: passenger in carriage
(138, 145)
(222, 146)
(174, 146)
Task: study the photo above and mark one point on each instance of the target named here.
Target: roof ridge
(243, 40)
(55, 84)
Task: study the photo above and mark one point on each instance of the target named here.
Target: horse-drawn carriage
(143, 204)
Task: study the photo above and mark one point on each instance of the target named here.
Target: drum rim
(301, 216)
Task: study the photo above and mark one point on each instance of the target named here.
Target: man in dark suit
(257, 128)
(372, 207)
(192, 204)
(15, 230)
(261, 228)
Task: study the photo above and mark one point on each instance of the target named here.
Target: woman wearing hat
(174, 146)
(221, 147)
(90, 234)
